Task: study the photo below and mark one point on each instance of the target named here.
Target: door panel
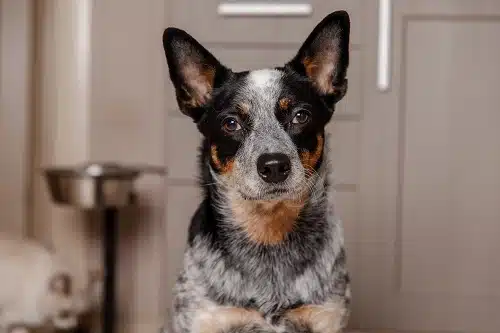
(429, 171)
(343, 149)
(452, 170)
(347, 210)
(204, 22)
(183, 142)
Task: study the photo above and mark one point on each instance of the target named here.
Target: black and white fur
(237, 277)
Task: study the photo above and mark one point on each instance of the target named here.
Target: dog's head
(264, 128)
(65, 303)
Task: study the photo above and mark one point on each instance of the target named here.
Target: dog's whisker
(209, 184)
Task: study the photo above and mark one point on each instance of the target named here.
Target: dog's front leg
(329, 317)
(230, 320)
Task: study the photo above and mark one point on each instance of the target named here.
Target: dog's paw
(250, 328)
(325, 318)
(229, 320)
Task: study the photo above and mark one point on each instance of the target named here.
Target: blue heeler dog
(265, 250)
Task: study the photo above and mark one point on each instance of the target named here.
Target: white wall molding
(62, 117)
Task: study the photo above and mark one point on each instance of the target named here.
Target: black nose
(273, 168)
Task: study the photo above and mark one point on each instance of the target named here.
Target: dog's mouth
(277, 191)
(272, 194)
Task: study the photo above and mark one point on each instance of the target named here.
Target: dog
(39, 292)
(265, 248)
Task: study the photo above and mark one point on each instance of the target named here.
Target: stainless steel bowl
(94, 185)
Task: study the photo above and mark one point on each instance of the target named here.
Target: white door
(429, 223)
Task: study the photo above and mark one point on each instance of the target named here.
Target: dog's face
(264, 128)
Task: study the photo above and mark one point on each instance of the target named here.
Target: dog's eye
(231, 125)
(301, 117)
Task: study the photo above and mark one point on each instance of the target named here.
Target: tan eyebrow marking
(310, 159)
(284, 103)
(243, 108)
(223, 168)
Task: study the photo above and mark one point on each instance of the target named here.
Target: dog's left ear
(194, 71)
(324, 57)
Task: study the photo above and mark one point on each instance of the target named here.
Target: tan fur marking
(325, 318)
(321, 71)
(310, 159)
(243, 108)
(310, 67)
(221, 319)
(266, 222)
(200, 82)
(223, 168)
(284, 103)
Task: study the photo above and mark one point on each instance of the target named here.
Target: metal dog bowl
(94, 185)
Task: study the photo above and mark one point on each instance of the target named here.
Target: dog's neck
(265, 222)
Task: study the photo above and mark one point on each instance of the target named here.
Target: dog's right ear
(324, 57)
(194, 71)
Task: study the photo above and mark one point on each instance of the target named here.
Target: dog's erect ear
(194, 71)
(324, 57)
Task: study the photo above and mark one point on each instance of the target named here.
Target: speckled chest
(268, 282)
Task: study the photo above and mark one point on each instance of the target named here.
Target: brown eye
(231, 125)
(301, 117)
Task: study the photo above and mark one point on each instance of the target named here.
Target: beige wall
(16, 42)
(100, 97)
(61, 116)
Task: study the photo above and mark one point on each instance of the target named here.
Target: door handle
(384, 45)
(264, 9)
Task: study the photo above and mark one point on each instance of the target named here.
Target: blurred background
(416, 143)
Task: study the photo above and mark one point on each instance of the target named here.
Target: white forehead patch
(263, 78)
